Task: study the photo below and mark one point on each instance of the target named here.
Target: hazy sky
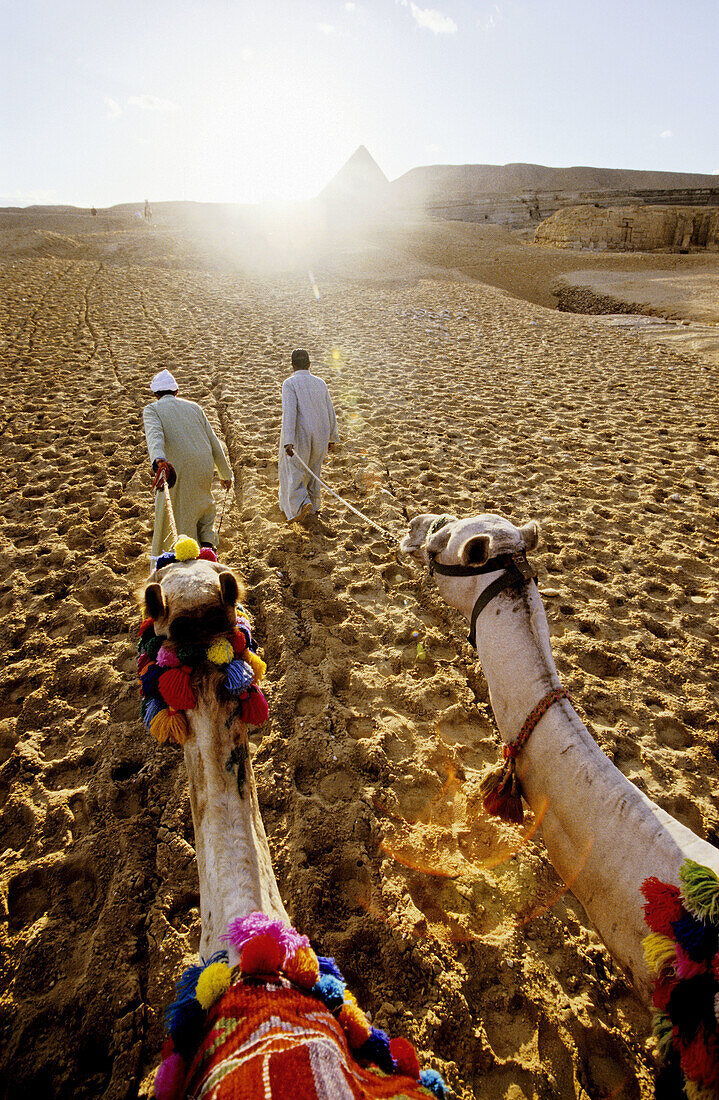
(231, 100)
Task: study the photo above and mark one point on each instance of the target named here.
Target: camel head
(192, 601)
(465, 542)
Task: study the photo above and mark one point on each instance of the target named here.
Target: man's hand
(331, 446)
(163, 471)
(226, 482)
(289, 449)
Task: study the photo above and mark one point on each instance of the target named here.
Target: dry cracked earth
(451, 928)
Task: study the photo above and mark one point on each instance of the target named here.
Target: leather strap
(491, 566)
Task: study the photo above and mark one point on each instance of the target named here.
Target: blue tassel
(150, 707)
(150, 680)
(239, 677)
(699, 940)
(330, 990)
(376, 1049)
(430, 1079)
(188, 1021)
(329, 966)
(167, 558)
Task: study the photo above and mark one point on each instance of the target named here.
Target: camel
(603, 835)
(261, 1015)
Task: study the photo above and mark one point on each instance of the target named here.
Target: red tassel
(167, 1049)
(262, 955)
(661, 994)
(176, 689)
(255, 710)
(144, 625)
(700, 1059)
(238, 642)
(503, 794)
(207, 554)
(664, 906)
(405, 1056)
(142, 662)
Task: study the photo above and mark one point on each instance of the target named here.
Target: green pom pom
(662, 1027)
(191, 654)
(152, 648)
(700, 890)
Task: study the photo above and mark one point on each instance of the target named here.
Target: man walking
(179, 436)
(309, 430)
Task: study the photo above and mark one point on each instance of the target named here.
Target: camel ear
(530, 534)
(154, 601)
(475, 551)
(437, 542)
(229, 589)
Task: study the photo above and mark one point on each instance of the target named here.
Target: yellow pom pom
(256, 663)
(303, 968)
(178, 729)
(355, 1024)
(659, 951)
(186, 549)
(212, 983)
(160, 726)
(220, 653)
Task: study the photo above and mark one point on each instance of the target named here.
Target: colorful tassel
(153, 646)
(178, 729)
(502, 794)
(355, 1024)
(261, 955)
(207, 554)
(691, 1006)
(430, 1079)
(663, 1030)
(659, 951)
(239, 677)
(663, 905)
(151, 708)
(187, 1024)
(186, 549)
(255, 710)
(662, 991)
(176, 688)
(258, 666)
(212, 983)
(405, 1056)
(170, 1078)
(167, 658)
(698, 939)
(694, 1092)
(220, 653)
(238, 642)
(192, 655)
(700, 890)
(168, 558)
(376, 1049)
(331, 990)
(147, 626)
(302, 968)
(142, 662)
(700, 1060)
(328, 965)
(150, 679)
(686, 967)
(242, 929)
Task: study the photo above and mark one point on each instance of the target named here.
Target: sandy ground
(451, 928)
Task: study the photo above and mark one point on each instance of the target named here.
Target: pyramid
(360, 182)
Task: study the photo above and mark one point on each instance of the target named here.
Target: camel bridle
(514, 572)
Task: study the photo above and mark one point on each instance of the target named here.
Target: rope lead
(362, 516)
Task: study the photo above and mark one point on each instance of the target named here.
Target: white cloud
(37, 197)
(326, 28)
(433, 148)
(114, 110)
(152, 103)
(666, 134)
(349, 6)
(430, 19)
(246, 53)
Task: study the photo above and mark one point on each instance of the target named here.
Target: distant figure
(309, 429)
(181, 440)
(94, 212)
(148, 211)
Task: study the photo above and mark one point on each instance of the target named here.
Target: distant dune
(438, 182)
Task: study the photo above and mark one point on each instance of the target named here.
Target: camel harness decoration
(633, 867)
(260, 1015)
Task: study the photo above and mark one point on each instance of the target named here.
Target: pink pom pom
(207, 554)
(243, 929)
(170, 1078)
(167, 658)
(686, 966)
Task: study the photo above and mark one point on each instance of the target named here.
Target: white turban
(163, 381)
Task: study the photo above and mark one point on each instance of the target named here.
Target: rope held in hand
(362, 516)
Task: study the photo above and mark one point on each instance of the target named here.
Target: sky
(238, 101)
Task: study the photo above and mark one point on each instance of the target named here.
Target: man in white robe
(309, 430)
(179, 433)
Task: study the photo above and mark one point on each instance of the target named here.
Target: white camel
(280, 1021)
(602, 834)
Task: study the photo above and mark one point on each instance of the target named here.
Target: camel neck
(233, 857)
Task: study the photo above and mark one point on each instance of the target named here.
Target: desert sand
(452, 395)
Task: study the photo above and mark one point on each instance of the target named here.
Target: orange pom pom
(303, 968)
(355, 1024)
(261, 955)
(160, 726)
